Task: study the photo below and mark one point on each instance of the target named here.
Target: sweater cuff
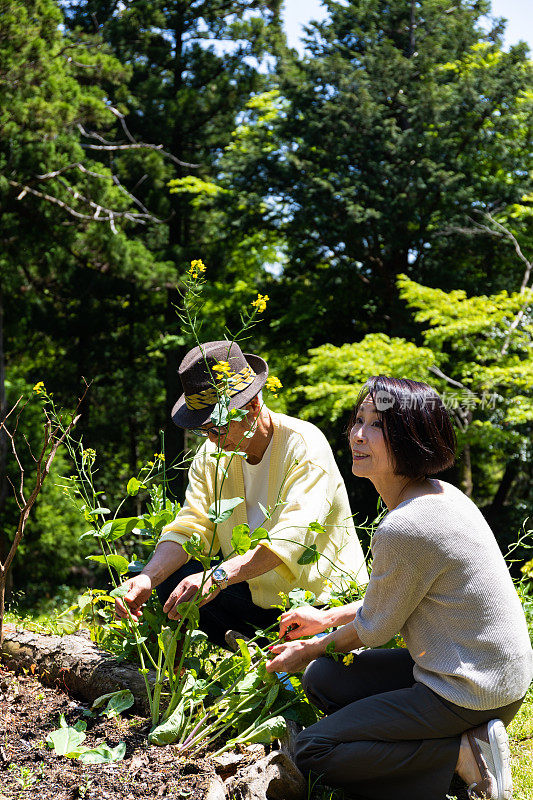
(284, 569)
(369, 638)
(174, 536)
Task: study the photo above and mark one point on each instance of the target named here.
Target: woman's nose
(357, 432)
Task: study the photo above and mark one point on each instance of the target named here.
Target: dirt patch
(29, 711)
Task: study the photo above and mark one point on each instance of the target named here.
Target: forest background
(376, 187)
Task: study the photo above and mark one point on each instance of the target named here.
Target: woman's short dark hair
(417, 428)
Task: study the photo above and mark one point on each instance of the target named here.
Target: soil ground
(29, 711)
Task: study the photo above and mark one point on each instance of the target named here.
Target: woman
(401, 721)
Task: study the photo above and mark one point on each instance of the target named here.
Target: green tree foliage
(68, 254)
(402, 119)
(474, 356)
(193, 67)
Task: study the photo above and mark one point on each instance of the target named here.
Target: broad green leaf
(193, 546)
(266, 731)
(237, 414)
(316, 527)
(240, 539)
(271, 696)
(310, 555)
(301, 597)
(103, 754)
(170, 730)
(250, 683)
(133, 486)
(65, 739)
(219, 415)
(101, 510)
(135, 567)
(120, 527)
(117, 562)
(222, 510)
(259, 535)
(116, 702)
(120, 591)
(247, 658)
(168, 644)
(189, 610)
(83, 601)
(92, 532)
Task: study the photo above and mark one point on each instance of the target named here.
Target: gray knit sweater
(439, 579)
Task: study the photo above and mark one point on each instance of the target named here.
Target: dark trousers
(386, 736)
(232, 608)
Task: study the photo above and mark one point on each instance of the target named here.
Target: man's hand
(303, 621)
(293, 656)
(186, 590)
(139, 591)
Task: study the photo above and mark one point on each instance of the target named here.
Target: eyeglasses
(221, 430)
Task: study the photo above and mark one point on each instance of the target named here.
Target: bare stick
(52, 440)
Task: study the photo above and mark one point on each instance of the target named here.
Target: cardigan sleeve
(192, 517)
(397, 585)
(303, 499)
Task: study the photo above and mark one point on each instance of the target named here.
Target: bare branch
(440, 374)
(51, 442)
(101, 214)
(505, 232)
(133, 145)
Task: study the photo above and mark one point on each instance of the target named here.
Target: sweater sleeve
(304, 499)
(396, 587)
(192, 517)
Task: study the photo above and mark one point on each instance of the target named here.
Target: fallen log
(72, 662)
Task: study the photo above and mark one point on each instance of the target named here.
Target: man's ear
(254, 405)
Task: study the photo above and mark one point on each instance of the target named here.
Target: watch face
(220, 574)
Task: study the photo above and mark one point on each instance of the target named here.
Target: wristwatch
(220, 577)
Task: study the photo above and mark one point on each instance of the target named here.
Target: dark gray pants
(386, 736)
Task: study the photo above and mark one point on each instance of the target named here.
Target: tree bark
(73, 662)
(466, 471)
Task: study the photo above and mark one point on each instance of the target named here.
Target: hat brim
(183, 417)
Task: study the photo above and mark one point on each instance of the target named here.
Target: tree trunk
(502, 493)
(466, 471)
(6, 580)
(73, 662)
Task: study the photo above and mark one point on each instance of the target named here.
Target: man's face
(236, 435)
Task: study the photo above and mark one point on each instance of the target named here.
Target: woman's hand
(303, 621)
(293, 656)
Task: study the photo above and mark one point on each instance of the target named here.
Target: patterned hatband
(230, 385)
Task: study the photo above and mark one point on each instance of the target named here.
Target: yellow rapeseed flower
(196, 268)
(39, 388)
(88, 455)
(273, 384)
(348, 659)
(222, 368)
(261, 303)
(159, 456)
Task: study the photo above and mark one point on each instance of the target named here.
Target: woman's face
(369, 451)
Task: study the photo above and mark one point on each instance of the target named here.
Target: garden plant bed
(29, 711)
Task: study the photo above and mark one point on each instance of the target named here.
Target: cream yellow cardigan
(304, 486)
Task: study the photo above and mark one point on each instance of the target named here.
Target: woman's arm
(308, 621)
(295, 656)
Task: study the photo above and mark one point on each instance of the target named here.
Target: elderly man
(287, 478)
